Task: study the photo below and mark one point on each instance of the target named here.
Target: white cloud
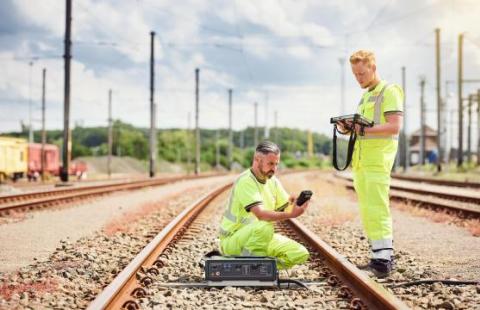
(402, 36)
(282, 18)
(301, 52)
(44, 14)
(107, 22)
(259, 46)
(17, 81)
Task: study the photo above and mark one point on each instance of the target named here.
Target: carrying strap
(351, 144)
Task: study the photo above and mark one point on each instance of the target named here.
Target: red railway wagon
(78, 168)
(52, 160)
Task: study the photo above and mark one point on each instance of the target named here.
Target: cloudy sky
(284, 52)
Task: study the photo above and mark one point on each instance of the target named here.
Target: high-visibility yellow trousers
(259, 239)
(372, 189)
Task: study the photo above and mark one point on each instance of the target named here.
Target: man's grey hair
(267, 147)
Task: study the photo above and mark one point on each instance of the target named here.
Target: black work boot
(381, 268)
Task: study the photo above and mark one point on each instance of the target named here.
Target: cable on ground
(447, 282)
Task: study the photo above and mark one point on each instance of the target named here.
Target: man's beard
(268, 174)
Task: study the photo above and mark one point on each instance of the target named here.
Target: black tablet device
(354, 118)
(304, 196)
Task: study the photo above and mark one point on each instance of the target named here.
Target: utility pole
(342, 85)
(439, 102)
(110, 134)
(217, 149)
(153, 138)
(266, 132)
(66, 96)
(310, 150)
(230, 132)
(405, 145)
(30, 128)
(242, 139)
(460, 101)
(70, 145)
(276, 127)
(449, 119)
(478, 127)
(189, 141)
(197, 129)
(469, 129)
(422, 121)
(44, 133)
(255, 137)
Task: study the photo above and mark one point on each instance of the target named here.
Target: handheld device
(354, 118)
(304, 196)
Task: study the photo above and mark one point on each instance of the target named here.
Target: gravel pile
(76, 272)
(333, 216)
(184, 264)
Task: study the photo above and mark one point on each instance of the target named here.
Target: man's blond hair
(363, 56)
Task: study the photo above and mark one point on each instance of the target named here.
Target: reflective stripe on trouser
(382, 248)
(373, 195)
(259, 239)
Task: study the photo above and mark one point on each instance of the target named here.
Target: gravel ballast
(184, 265)
(76, 267)
(35, 234)
(75, 271)
(423, 249)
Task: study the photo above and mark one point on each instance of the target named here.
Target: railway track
(463, 202)
(173, 255)
(30, 186)
(38, 199)
(468, 184)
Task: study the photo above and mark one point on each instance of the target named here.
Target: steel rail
(32, 184)
(451, 195)
(118, 294)
(65, 195)
(37, 194)
(464, 210)
(128, 285)
(455, 195)
(372, 294)
(59, 191)
(470, 184)
(444, 201)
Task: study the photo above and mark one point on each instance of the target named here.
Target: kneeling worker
(258, 199)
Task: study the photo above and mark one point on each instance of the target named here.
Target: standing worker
(373, 157)
(258, 199)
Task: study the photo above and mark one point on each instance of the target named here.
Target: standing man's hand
(344, 127)
(360, 130)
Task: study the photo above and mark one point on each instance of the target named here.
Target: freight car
(13, 158)
(19, 159)
(78, 168)
(52, 160)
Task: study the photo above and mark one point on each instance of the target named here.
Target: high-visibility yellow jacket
(246, 193)
(377, 152)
